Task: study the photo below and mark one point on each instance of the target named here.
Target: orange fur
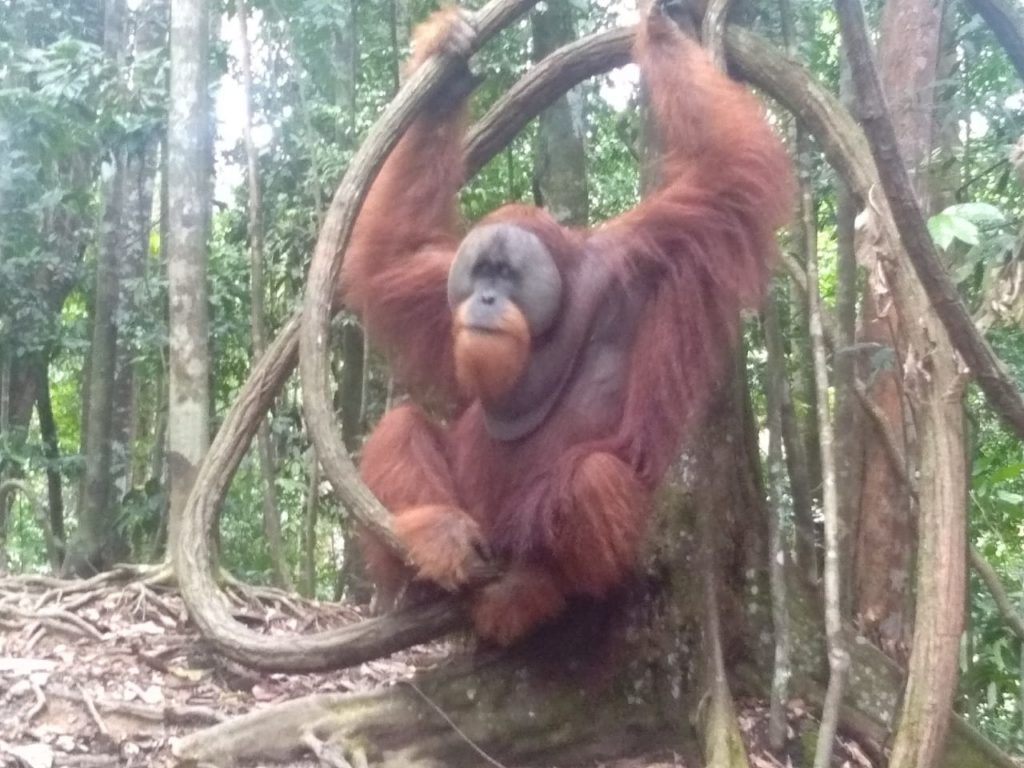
(403, 302)
(566, 505)
(489, 363)
(594, 544)
(432, 36)
(601, 528)
(521, 599)
(402, 464)
(443, 541)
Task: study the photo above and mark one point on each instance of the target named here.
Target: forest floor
(109, 673)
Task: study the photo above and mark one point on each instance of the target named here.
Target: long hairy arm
(701, 246)
(395, 272)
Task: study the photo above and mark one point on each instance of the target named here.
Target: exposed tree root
(719, 731)
(45, 604)
(494, 712)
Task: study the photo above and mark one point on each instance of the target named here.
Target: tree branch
(558, 72)
(940, 583)
(713, 30)
(999, 388)
(838, 656)
(1007, 24)
(11, 485)
(988, 574)
(884, 429)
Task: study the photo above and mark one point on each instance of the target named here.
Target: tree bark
(849, 437)
(838, 656)
(776, 384)
(141, 162)
(188, 171)
(51, 449)
(560, 164)
(95, 544)
(908, 57)
(1007, 23)
(884, 547)
(258, 321)
(932, 375)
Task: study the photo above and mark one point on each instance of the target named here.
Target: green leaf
(1009, 472)
(940, 227)
(1009, 497)
(978, 213)
(945, 228)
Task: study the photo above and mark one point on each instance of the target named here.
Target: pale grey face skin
(501, 263)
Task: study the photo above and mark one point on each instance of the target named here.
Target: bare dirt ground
(108, 672)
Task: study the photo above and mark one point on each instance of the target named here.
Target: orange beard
(489, 363)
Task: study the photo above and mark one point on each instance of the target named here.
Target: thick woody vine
(750, 57)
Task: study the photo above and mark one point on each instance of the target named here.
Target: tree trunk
(188, 172)
(799, 334)
(349, 399)
(934, 460)
(800, 465)
(158, 471)
(258, 321)
(353, 376)
(728, 514)
(560, 162)
(51, 448)
(639, 691)
(95, 545)
(350, 579)
(803, 446)
(849, 423)
(140, 175)
(307, 552)
(908, 56)
(775, 393)
(506, 709)
(92, 548)
(883, 562)
(17, 394)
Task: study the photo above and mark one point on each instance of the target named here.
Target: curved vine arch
(754, 59)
